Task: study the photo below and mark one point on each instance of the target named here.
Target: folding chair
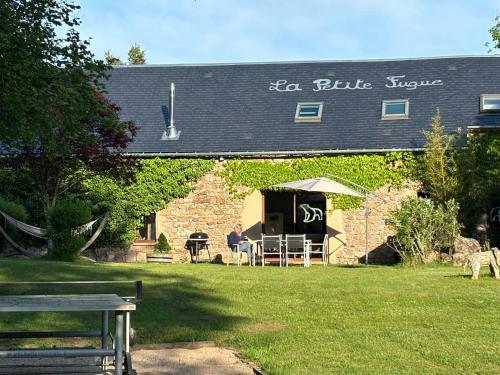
(296, 244)
(232, 249)
(320, 248)
(236, 248)
(271, 245)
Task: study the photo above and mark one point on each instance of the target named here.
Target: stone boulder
(464, 247)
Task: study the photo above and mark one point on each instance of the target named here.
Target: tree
(111, 59)
(136, 55)
(480, 181)
(495, 35)
(55, 122)
(439, 167)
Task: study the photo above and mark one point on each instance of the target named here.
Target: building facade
(281, 111)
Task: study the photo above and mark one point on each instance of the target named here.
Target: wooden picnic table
(72, 303)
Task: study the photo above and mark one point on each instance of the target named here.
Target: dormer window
(308, 112)
(490, 103)
(395, 109)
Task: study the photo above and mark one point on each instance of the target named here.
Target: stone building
(286, 110)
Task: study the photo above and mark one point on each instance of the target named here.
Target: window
(308, 112)
(395, 109)
(147, 233)
(490, 103)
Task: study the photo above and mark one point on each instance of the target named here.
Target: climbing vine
(371, 171)
(158, 182)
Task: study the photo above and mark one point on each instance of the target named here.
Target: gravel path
(199, 359)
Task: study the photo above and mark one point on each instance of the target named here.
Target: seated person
(237, 238)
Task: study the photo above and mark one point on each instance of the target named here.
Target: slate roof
(486, 121)
(229, 108)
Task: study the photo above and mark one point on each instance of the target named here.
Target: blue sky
(207, 31)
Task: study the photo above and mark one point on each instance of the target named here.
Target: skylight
(395, 109)
(490, 103)
(308, 112)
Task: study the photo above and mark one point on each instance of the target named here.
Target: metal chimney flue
(171, 134)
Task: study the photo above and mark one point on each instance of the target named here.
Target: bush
(17, 211)
(64, 218)
(67, 215)
(162, 246)
(423, 227)
(66, 248)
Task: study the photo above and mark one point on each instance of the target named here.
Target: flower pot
(159, 258)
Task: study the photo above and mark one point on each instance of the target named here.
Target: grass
(338, 320)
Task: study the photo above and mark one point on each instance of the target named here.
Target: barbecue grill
(197, 241)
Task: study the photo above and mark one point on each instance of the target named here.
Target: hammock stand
(42, 233)
(14, 244)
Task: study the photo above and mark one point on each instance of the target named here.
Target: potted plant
(162, 251)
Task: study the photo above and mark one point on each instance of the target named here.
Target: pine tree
(439, 168)
(162, 245)
(111, 59)
(136, 55)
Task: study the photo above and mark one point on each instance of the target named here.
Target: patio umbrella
(325, 185)
(322, 185)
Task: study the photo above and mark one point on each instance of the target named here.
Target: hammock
(85, 228)
(26, 228)
(42, 233)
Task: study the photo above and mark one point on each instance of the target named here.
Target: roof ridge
(308, 61)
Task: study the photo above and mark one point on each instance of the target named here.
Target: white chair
(296, 244)
(271, 245)
(231, 250)
(235, 248)
(320, 248)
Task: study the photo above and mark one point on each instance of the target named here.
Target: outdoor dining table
(73, 303)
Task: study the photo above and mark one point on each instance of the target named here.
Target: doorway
(295, 213)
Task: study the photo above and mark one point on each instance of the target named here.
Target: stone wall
(354, 227)
(137, 253)
(212, 209)
(208, 208)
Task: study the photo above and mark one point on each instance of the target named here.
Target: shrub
(66, 248)
(64, 218)
(422, 227)
(17, 211)
(162, 246)
(68, 214)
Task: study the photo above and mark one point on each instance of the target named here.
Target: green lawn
(338, 320)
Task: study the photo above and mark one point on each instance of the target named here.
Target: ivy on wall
(157, 183)
(160, 181)
(371, 171)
